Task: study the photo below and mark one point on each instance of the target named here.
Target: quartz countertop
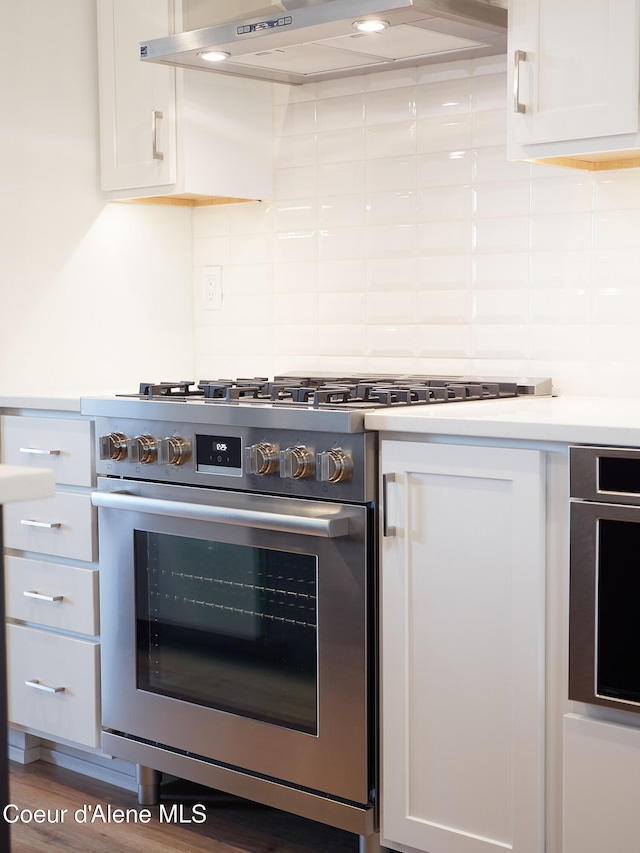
(52, 403)
(22, 484)
(581, 420)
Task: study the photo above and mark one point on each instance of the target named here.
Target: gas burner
(340, 392)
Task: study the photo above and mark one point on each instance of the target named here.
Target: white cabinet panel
(574, 73)
(462, 648)
(601, 763)
(188, 136)
(54, 684)
(52, 594)
(64, 445)
(62, 526)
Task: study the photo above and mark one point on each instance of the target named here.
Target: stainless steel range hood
(302, 41)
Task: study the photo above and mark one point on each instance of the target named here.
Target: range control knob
(262, 458)
(297, 463)
(144, 449)
(114, 446)
(174, 450)
(334, 466)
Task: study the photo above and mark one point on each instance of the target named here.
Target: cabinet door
(137, 100)
(462, 648)
(601, 775)
(579, 78)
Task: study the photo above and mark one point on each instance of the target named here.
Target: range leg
(148, 785)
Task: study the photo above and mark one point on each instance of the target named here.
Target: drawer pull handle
(31, 593)
(39, 451)
(31, 522)
(39, 686)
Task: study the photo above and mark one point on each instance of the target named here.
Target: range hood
(303, 41)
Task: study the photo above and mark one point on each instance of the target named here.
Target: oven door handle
(327, 526)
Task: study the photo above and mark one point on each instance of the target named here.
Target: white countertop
(53, 403)
(23, 484)
(581, 420)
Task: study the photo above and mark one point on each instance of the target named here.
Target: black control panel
(264, 25)
(218, 453)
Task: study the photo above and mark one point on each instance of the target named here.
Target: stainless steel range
(239, 583)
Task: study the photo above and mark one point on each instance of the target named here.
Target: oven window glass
(618, 610)
(231, 627)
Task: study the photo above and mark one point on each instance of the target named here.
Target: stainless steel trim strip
(351, 818)
(329, 527)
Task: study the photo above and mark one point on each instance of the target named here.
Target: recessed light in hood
(309, 40)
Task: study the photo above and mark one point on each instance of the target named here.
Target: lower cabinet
(601, 778)
(53, 684)
(462, 603)
(51, 586)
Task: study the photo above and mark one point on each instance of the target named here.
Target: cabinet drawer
(62, 526)
(64, 445)
(53, 684)
(53, 595)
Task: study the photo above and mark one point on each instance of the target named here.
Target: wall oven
(604, 611)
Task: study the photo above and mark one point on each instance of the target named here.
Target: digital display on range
(219, 454)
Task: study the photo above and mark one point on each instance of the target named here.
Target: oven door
(604, 628)
(236, 627)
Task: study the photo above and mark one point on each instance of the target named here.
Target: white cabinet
(180, 136)
(462, 614)
(51, 584)
(574, 70)
(601, 763)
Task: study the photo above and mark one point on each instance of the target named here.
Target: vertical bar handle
(387, 529)
(518, 57)
(156, 116)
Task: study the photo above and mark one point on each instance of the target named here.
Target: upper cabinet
(170, 134)
(574, 70)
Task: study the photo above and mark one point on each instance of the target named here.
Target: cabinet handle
(31, 593)
(31, 522)
(39, 451)
(156, 115)
(518, 57)
(39, 686)
(387, 529)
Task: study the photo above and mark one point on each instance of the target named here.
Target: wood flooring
(231, 825)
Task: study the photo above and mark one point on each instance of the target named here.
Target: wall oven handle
(329, 527)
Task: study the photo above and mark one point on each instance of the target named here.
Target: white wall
(93, 296)
(400, 238)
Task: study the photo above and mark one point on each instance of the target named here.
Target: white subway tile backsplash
(449, 97)
(336, 146)
(444, 133)
(401, 239)
(397, 307)
(340, 112)
(390, 140)
(387, 106)
(501, 234)
(445, 238)
(561, 232)
(501, 306)
(445, 168)
(390, 174)
(445, 272)
(444, 306)
(342, 276)
(505, 270)
(443, 203)
(391, 274)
